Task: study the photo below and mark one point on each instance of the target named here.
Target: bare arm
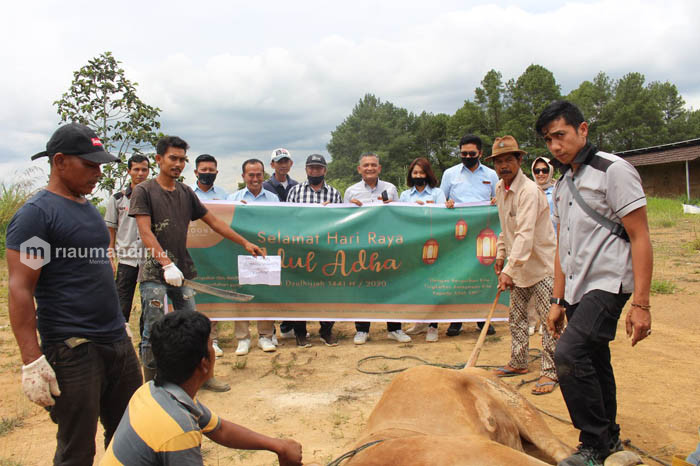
(22, 282)
(234, 436)
(555, 320)
(638, 320)
(112, 252)
(227, 232)
(150, 241)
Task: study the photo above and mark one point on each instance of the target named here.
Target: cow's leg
(530, 423)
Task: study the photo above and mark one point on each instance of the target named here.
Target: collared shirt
(428, 194)
(462, 185)
(245, 195)
(303, 193)
(278, 188)
(215, 193)
(161, 425)
(591, 257)
(365, 193)
(127, 242)
(527, 241)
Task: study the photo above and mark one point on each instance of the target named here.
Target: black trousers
(300, 327)
(390, 326)
(582, 359)
(126, 284)
(96, 382)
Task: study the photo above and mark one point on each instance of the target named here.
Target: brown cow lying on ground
(433, 416)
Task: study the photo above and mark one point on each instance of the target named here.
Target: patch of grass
(493, 339)
(12, 197)
(240, 363)
(662, 286)
(9, 462)
(8, 424)
(664, 212)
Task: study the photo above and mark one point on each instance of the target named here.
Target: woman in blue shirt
(422, 184)
(422, 190)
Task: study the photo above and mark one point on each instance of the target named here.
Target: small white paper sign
(259, 270)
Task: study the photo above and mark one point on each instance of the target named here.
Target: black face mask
(470, 162)
(315, 180)
(419, 181)
(207, 179)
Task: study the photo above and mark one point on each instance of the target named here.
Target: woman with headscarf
(543, 174)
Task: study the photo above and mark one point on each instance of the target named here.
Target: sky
(239, 79)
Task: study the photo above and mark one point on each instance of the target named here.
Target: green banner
(393, 262)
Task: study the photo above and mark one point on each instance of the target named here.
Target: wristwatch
(558, 301)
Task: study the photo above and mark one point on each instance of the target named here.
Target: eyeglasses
(471, 153)
(538, 171)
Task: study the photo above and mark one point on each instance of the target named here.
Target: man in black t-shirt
(164, 208)
(57, 253)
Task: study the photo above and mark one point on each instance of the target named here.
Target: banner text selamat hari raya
(385, 262)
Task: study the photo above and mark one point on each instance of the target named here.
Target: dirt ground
(318, 397)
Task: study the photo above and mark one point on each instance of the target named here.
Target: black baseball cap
(316, 159)
(79, 140)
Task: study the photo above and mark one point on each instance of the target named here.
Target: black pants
(390, 326)
(126, 284)
(96, 382)
(582, 359)
(300, 327)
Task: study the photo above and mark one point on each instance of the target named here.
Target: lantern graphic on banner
(430, 251)
(461, 229)
(486, 246)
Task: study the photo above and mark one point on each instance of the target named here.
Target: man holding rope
(603, 257)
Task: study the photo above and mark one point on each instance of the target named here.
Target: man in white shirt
(369, 191)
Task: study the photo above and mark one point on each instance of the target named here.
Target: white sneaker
(217, 351)
(399, 336)
(531, 330)
(432, 335)
(266, 344)
(361, 338)
(417, 328)
(243, 347)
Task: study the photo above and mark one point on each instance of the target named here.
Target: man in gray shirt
(369, 191)
(124, 240)
(603, 257)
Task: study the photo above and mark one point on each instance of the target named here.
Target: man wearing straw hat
(524, 260)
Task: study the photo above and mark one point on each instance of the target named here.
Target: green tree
(636, 118)
(101, 97)
(490, 98)
(432, 141)
(594, 98)
(373, 126)
(675, 117)
(528, 96)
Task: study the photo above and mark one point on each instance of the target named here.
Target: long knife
(226, 294)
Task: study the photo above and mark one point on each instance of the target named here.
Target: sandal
(553, 384)
(505, 372)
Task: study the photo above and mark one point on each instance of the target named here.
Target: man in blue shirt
(206, 170)
(253, 173)
(469, 182)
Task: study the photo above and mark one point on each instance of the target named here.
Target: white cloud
(238, 80)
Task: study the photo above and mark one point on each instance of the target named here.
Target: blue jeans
(152, 300)
(96, 382)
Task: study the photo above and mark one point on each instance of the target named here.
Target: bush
(12, 197)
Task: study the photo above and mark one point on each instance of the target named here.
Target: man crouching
(164, 421)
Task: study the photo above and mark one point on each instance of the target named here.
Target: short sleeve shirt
(75, 293)
(462, 185)
(161, 425)
(215, 193)
(303, 193)
(591, 257)
(127, 241)
(171, 213)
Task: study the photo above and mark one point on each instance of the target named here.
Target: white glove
(39, 382)
(172, 275)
